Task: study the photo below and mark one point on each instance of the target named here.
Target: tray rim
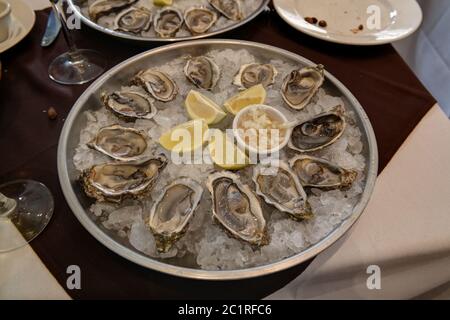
(200, 274)
(126, 36)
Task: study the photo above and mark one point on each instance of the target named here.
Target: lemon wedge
(224, 152)
(186, 137)
(162, 2)
(254, 95)
(200, 107)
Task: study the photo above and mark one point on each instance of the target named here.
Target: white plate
(23, 19)
(397, 19)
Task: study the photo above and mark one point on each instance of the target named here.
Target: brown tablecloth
(389, 92)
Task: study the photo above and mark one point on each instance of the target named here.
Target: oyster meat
(167, 22)
(171, 212)
(229, 8)
(104, 7)
(130, 104)
(319, 173)
(318, 132)
(116, 181)
(203, 72)
(237, 208)
(250, 75)
(134, 20)
(300, 86)
(121, 143)
(199, 20)
(280, 187)
(157, 83)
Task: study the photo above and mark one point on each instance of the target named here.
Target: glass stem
(59, 12)
(7, 206)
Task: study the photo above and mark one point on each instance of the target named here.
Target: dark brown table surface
(389, 92)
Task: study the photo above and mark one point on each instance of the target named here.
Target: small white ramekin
(251, 149)
(5, 20)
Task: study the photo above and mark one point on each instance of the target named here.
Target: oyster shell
(116, 181)
(157, 83)
(202, 71)
(280, 187)
(320, 173)
(167, 22)
(134, 20)
(130, 104)
(229, 8)
(318, 132)
(172, 211)
(103, 7)
(199, 20)
(121, 143)
(300, 86)
(250, 75)
(237, 208)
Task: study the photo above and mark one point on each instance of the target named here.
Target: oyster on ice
(121, 143)
(237, 208)
(199, 20)
(300, 86)
(318, 132)
(280, 187)
(167, 22)
(116, 181)
(172, 211)
(134, 20)
(203, 72)
(157, 83)
(130, 104)
(104, 7)
(250, 75)
(229, 8)
(320, 173)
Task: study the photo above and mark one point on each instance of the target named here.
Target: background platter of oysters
(214, 217)
(152, 19)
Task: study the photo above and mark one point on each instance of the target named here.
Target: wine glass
(26, 207)
(77, 66)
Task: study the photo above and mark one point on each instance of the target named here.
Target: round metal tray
(74, 5)
(113, 79)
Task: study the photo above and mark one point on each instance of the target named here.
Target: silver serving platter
(75, 6)
(113, 79)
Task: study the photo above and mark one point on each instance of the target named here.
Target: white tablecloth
(427, 51)
(405, 230)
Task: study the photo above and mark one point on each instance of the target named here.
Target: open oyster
(300, 86)
(203, 72)
(318, 132)
(320, 173)
(157, 83)
(121, 143)
(134, 20)
(250, 75)
(280, 187)
(167, 22)
(172, 211)
(199, 20)
(116, 181)
(130, 104)
(103, 7)
(229, 8)
(237, 208)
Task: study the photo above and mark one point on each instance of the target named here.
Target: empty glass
(26, 207)
(77, 66)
